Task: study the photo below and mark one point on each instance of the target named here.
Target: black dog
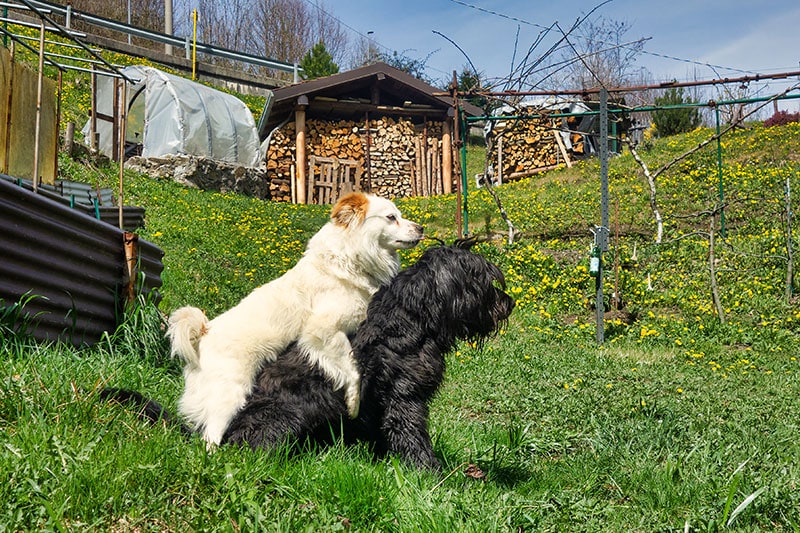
(449, 294)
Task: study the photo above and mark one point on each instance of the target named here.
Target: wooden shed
(374, 129)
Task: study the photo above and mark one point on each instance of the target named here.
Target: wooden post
(562, 147)
(300, 148)
(130, 243)
(426, 172)
(9, 103)
(447, 159)
(367, 155)
(418, 165)
(69, 138)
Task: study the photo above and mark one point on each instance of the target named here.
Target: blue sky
(743, 37)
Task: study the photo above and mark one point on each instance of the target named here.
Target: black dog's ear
(466, 243)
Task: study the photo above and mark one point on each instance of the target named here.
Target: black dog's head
(457, 292)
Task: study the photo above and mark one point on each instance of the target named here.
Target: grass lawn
(680, 420)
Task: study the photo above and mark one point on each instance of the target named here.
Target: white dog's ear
(351, 209)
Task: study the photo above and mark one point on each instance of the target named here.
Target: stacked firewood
(341, 139)
(392, 152)
(398, 158)
(523, 147)
(280, 163)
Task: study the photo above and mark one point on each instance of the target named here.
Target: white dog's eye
(392, 218)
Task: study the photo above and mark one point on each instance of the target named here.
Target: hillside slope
(219, 247)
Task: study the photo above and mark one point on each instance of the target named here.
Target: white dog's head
(376, 218)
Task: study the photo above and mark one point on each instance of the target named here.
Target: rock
(204, 173)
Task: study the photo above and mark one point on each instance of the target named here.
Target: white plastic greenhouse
(168, 114)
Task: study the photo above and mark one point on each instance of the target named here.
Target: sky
(736, 38)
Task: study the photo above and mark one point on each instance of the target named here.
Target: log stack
(523, 147)
(399, 159)
(391, 153)
(280, 163)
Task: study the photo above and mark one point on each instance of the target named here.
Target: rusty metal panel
(73, 263)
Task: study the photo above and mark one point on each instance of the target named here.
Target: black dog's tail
(148, 410)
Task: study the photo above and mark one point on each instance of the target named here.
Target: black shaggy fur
(449, 294)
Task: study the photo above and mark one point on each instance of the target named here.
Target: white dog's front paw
(352, 398)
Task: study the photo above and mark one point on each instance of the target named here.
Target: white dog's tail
(186, 326)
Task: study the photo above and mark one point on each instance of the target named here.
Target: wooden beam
(562, 147)
(447, 158)
(300, 148)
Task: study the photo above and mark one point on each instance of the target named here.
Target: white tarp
(168, 114)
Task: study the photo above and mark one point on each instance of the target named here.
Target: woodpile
(280, 163)
(392, 152)
(524, 147)
(397, 157)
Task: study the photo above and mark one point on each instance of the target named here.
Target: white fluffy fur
(317, 303)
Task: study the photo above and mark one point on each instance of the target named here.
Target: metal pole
(601, 235)
(123, 113)
(463, 126)
(789, 252)
(719, 174)
(38, 126)
(460, 184)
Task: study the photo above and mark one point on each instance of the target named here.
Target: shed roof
(378, 89)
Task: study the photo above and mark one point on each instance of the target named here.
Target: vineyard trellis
(601, 231)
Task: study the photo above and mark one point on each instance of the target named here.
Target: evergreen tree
(318, 62)
(678, 120)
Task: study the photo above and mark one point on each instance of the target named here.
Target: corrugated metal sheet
(81, 196)
(72, 262)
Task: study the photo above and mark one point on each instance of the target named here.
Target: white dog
(317, 303)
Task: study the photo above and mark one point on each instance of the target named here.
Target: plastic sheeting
(168, 114)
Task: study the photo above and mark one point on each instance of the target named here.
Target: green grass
(569, 436)
(677, 420)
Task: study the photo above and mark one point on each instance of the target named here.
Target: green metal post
(601, 233)
(719, 174)
(615, 139)
(462, 124)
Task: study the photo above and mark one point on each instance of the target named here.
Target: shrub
(781, 118)
(674, 118)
